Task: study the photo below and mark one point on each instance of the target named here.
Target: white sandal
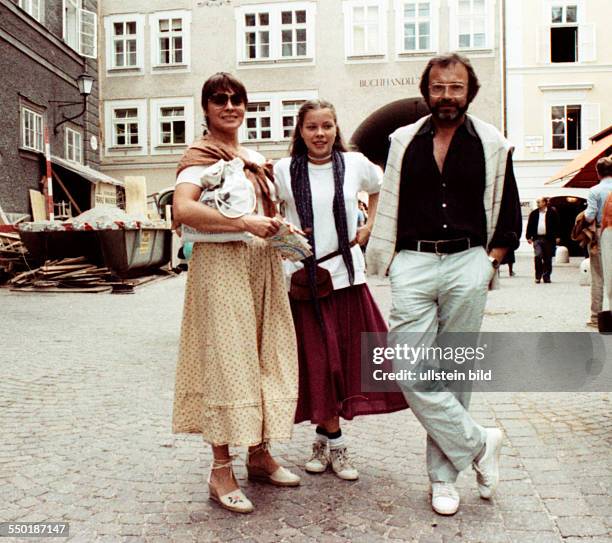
(235, 500)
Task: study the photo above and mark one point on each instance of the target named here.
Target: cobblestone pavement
(85, 408)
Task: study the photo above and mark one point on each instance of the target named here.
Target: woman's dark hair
(219, 82)
(298, 146)
(447, 60)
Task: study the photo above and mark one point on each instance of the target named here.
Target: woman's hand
(263, 227)
(363, 235)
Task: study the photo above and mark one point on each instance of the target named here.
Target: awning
(91, 175)
(581, 172)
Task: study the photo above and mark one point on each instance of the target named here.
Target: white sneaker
(319, 460)
(487, 468)
(341, 464)
(444, 498)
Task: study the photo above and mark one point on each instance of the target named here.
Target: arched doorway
(372, 135)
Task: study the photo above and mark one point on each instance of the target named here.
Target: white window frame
(37, 129)
(83, 38)
(73, 145)
(159, 148)
(275, 28)
(109, 135)
(434, 29)
(109, 24)
(378, 52)
(185, 33)
(275, 99)
(587, 41)
(564, 149)
(489, 27)
(35, 8)
(590, 121)
(259, 116)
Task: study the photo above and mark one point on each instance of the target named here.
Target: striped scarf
(300, 185)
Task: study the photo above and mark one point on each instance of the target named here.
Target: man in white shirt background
(543, 233)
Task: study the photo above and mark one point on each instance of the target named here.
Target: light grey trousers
(432, 294)
(597, 282)
(605, 242)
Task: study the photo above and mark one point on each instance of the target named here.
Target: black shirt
(449, 205)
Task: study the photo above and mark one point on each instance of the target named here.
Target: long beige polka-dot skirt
(237, 373)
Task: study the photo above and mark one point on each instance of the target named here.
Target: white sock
(321, 438)
(337, 443)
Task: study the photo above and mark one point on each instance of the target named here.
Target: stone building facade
(359, 54)
(44, 47)
(559, 66)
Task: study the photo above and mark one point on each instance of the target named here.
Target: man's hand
(498, 253)
(263, 227)
(363, 235)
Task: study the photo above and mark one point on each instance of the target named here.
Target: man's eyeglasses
(221, 98)
(454, 89)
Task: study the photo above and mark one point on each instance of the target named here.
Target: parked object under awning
(580, 172)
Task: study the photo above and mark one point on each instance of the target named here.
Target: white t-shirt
(193, 174)
(542, 223)
(360, 175)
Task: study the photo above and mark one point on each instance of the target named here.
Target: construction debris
(12, 253)
(76, 275)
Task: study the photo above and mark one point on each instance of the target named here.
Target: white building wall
(535, 84)
(357, 84)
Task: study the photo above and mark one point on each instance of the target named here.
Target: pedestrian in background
(509, 259)
(449, 210)
(319, 185)
(593, 213)
(605, 317)
(543, 233)
(236, 381)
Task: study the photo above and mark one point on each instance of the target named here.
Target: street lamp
(85, 84)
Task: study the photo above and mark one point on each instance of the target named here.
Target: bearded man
(448, 212)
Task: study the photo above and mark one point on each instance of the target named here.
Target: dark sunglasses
(221, 98)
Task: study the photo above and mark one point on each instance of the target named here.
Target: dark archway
(372, 135)
(568, 207)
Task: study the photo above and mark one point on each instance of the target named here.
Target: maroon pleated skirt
(330, 366)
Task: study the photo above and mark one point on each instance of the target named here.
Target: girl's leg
(340, 461)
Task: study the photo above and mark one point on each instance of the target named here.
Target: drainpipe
(503, 62)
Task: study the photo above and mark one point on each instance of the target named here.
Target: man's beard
(436, 110)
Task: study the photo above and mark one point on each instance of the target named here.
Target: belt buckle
(438, 253)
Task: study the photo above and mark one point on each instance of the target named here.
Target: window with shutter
(563, 32)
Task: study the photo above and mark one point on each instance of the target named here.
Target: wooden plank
(72, 200)
(136, 195)
(62, 290)
(39, 209)
(3, 217)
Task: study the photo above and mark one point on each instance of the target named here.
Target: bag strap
(334, 254)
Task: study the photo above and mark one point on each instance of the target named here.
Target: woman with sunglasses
(319, 185)
(236, 381)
